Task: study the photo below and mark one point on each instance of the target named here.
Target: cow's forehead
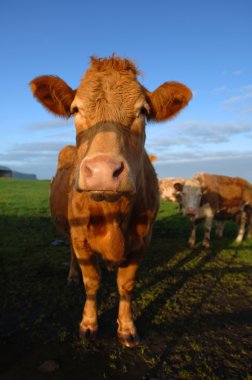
(111, 85)
(110, 95)
(192, 185)
(110, 76)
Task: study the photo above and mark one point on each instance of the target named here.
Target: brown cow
(167, 190)
(105, 192)
(208, 197)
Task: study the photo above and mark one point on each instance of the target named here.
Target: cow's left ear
(167, 100)
(178, 186)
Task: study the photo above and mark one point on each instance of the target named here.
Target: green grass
(193, 307)
(24, 197)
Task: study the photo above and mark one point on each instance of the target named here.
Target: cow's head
(110, 108)
(191, 194)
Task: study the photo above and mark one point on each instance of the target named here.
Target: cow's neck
(107, 228)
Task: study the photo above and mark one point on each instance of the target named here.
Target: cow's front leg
(74, 270)
(242, 227)
(127, 332)
(91, 279)
(192, 238)
(207, 232)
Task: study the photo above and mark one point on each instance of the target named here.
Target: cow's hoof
(73, 280)
(127, 334)
(129, 340)
(88, 330)
(191, 244)
(206, 244)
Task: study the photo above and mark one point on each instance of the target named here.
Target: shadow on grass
(37, 306)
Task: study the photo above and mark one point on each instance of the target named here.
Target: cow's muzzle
(104, 177)
(190, 211)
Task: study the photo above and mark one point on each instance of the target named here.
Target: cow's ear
(178, 186)
(54, 94)
(167, 100)
(152, 157)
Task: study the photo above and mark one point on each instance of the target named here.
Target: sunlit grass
(192, 307)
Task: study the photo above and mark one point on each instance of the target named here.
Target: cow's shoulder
(67, 157)
(146, 203)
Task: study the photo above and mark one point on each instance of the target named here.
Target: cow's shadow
(167, 267)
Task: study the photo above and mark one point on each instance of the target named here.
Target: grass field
(193, 308)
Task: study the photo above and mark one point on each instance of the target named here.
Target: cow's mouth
(108, 196)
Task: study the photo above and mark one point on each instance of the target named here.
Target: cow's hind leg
(127, 332)
(242, 227)
(91, 279)
(220, 224)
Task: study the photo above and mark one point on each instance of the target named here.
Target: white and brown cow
(167, 190)
(105, 193)
(211, 197)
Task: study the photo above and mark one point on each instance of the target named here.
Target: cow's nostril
(88, 171)
(118, 171)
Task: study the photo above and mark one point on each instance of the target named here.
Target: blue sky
(204, 44)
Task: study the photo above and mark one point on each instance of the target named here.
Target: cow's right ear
(54, 94)
(178, 186)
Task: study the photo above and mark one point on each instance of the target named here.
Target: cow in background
(105, 193)
(211, 197)
(167, 190)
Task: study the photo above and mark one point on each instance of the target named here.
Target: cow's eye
(75, 110)
(142, 112)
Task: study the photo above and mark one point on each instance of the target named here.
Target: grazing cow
(167, 190)
(208, 197)
(105, 193)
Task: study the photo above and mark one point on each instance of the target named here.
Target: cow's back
(60, 187)
(225, 193)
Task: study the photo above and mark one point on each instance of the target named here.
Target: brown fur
(110, 108)
(54, 94)
(222, 198)
(226, 195)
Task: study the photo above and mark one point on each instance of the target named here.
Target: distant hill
(8, 173)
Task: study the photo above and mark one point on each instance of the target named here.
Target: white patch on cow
(191, 197)
(206, 211)
(242, 227)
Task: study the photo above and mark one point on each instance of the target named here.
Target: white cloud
(239, 98)
(49, 124)
(201, 155)
(39, 158)
(188, 142)
(235, 166)
(219, 90)
(193, 134)
(238, 72)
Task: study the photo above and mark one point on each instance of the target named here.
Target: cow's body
(166, 188)
(215, 197)
(105, 193)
